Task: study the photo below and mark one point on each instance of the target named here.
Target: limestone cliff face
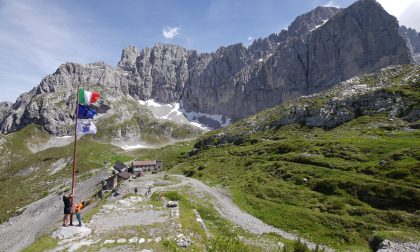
(4, 107)
(412, 38)
(383, 92)
(320, 49)
(359, 39)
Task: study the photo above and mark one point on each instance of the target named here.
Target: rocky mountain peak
(128, 58)
(234, 81)
(302, 25)
(309, 21)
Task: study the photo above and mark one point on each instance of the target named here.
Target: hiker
(67, 210)
(136, 190)
(77, 209)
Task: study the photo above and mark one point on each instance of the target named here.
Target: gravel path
(21, 231)
(114, 220)
(230, 211)
(40, 215)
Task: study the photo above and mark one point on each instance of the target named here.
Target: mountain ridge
(234, 76)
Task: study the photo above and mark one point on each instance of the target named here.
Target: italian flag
(87, 97)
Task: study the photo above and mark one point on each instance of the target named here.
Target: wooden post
(73, 182)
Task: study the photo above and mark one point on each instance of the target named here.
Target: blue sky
(38, 35)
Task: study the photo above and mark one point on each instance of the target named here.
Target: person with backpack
(77, 209)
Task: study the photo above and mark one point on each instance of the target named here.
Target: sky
(36, 36)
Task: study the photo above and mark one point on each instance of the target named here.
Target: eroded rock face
(303, 24)
(359, 39)
(371, 94)
(412, 38)
(320, 49)
(4, 107)
(128, 58)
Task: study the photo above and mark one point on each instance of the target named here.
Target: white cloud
(250, 38)
(331, 4)
(170, 32)
(36, 37)
(405, 10)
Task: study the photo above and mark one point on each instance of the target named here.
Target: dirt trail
(230, 211)
(22, 230)
(40, 215)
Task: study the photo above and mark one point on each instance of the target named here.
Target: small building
(110, 183)
(124, 175)
(120, 166)
(139, 167)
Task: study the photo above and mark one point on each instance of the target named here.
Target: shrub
(189, 173)
(298, 246)
(227, 244)
(326, 186)
(171, 245)
(398, 173)
(172, 195)
(375, 242)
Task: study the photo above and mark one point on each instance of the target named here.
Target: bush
(189, 173)
(398, 173)
(227, 244)
(171, 245)
(326, 186)
(375, 242)
(298, 246)
(172, 195)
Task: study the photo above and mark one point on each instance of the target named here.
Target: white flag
(85, 127)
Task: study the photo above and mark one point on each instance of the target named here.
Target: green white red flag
(87, 97)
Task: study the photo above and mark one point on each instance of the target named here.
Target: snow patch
(196, 116)
(176, 113)
(132, 147)
(151, 103)
(316, 27)
(262, 59)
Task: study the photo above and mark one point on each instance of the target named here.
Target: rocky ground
(15, 234)
(134, 222)
(140, 222)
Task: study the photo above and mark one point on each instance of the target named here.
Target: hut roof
(120, 166)
(144, 162)
(124, 174)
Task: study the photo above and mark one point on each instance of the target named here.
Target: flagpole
(73, 183)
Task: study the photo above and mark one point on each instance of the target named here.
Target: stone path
(132, 223)
(127, 223)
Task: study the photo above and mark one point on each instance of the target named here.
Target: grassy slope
(19, 189)
(141, 122)
(340, 187)
(328, 186)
